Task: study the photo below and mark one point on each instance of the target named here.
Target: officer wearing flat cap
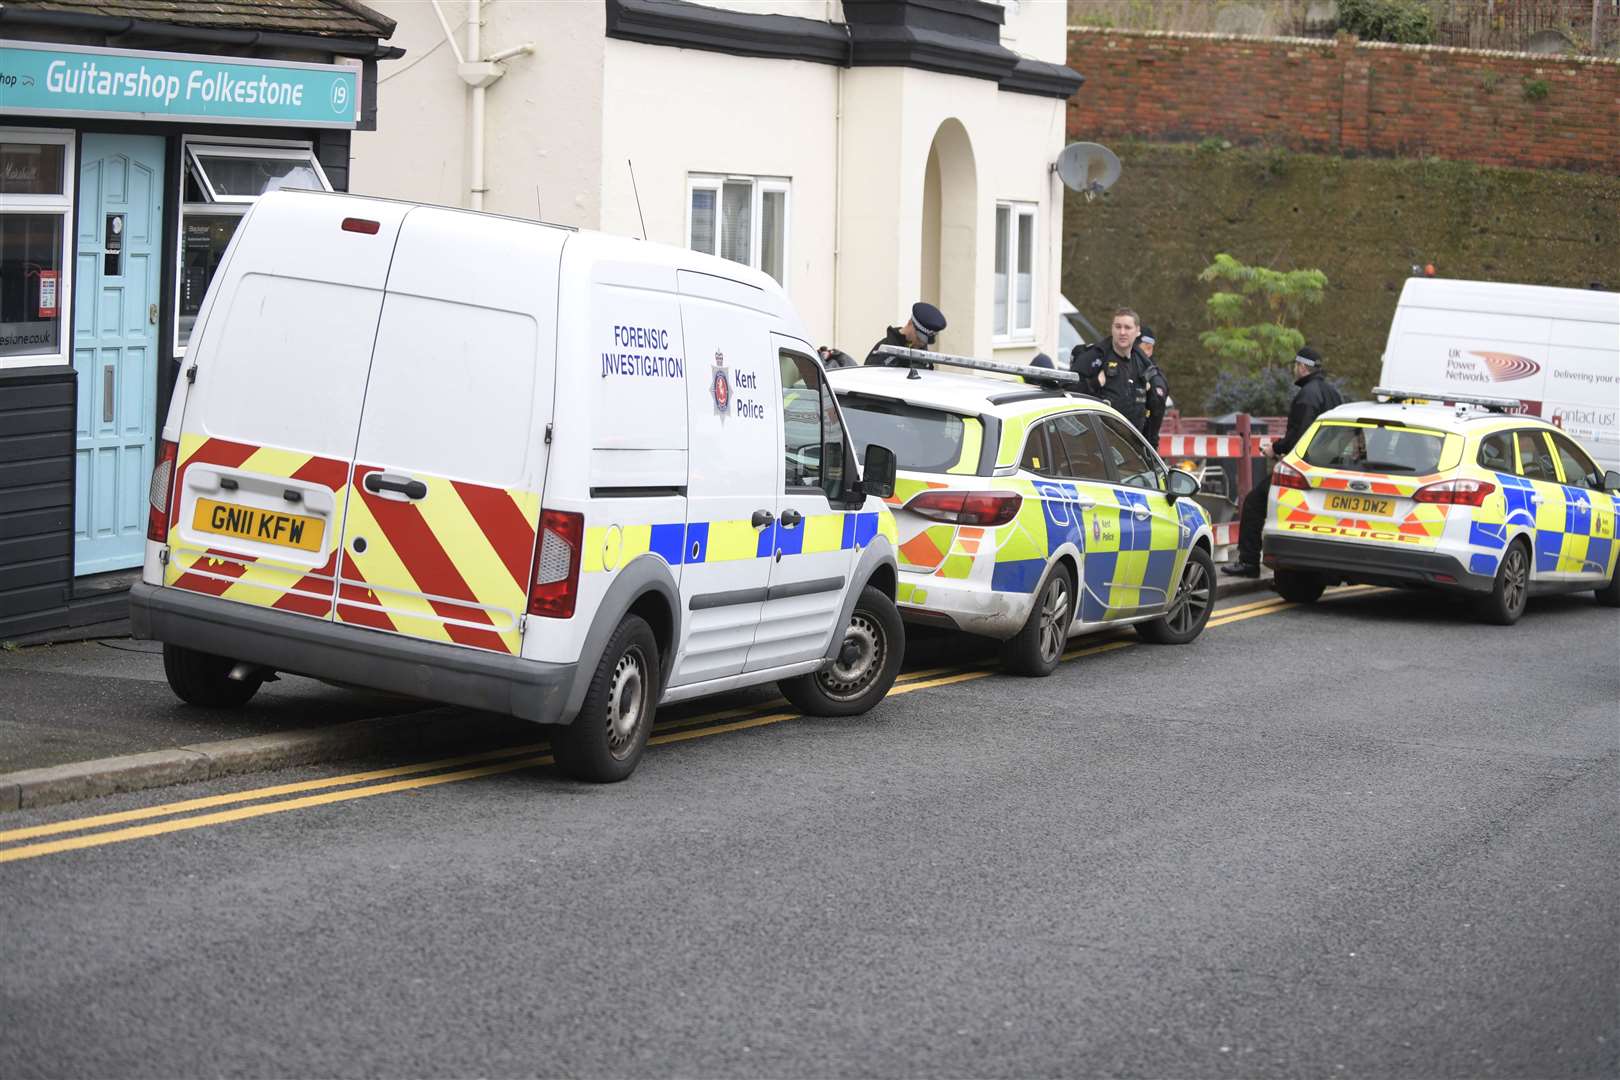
(1314, 397)
(920, 330)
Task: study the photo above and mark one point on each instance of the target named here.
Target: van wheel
(1037, 648)
(1190, 609)
(200, 678)
(605, 742)
(863, 669)
(1609, 595)
(1298, 586)
(1505, 602)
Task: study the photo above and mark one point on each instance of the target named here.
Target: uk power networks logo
(720, 385)
(1487, 367)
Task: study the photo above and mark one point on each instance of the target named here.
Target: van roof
(1448, 294)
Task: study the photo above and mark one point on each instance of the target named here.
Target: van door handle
(1141, 513)
(763, 518)
(411, 489)
(791, 519)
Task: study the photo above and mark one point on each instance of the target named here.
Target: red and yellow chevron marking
(452, 567)
(261, 580)
(1423, 526)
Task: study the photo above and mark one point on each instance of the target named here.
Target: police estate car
(1029, 515)
(1464, 497)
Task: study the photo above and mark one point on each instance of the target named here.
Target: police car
(593, 476)
(1465, 497)
(1026, 514)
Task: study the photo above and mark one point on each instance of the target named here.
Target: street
(1373, 837)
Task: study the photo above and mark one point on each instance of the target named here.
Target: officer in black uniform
(835, 358)
(1113, 370)
(1154, 393)
(920, 330)
(1314, 397)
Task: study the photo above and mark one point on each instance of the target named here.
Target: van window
(813, 436)
(1375, 449)
(923, 439)
(451, 391)
(1578, 468)
(1535, 462)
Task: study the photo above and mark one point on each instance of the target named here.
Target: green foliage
(1266, 392)
(1281, 297)
(1409, 22)
(1213, 145)
(1536, 89)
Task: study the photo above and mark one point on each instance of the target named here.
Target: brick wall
(1347, 97)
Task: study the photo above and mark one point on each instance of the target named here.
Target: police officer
(1154, 393)
(1114, 369)
(1314, 397)
(1041, 360)
(835, 358)
(920, 330)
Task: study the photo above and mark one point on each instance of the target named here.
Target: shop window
(220, 182)
(1014, 306)
(36, 170)
(741, 218)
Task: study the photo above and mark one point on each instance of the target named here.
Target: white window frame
(1022, 215)
(715, 182)
(63, 203)
(223, 205)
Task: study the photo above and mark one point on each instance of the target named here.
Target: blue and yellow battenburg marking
(608, 547)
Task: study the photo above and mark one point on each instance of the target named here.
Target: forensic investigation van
(503, 464)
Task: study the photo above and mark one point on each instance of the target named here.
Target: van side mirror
(1181, 485)
(877, 472)
(1611, 481)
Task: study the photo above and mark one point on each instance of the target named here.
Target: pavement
(1370, 837)
(126, 731)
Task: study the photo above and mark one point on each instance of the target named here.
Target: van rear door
(267, 433)
(439, 539)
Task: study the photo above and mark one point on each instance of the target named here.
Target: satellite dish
(1088, 168)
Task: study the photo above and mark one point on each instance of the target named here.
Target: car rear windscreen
(925, 440)
(1375, 449)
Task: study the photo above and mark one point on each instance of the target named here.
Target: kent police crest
(720, 385)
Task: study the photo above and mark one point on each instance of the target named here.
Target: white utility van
(502, 464)
(1556, 350)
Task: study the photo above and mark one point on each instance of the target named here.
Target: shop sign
(38, 79)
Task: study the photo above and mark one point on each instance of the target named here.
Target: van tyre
(1298, 586)
(1609, 595)
(1189, 609)
(606, 740)
(863, 669)
(203, 679)
(1037, 648)
(1505, 602)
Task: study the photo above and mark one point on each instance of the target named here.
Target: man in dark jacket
(1155, 391)
(1314, 397)
(920, 330)
(1115, 369)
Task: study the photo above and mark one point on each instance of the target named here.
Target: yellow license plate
(1361, 504)
(265, 526)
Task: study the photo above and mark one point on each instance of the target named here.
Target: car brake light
(555, 582)
(1284, 475)
(967, 507)
(1455, 492)
(361, 225)
(157, 516)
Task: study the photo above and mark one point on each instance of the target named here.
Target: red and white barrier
(1207, 446)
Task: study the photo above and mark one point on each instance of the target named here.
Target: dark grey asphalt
(1393, 852)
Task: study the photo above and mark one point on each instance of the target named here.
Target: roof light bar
(917, 357)
(1446, 397)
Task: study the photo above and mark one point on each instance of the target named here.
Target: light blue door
(115, 345)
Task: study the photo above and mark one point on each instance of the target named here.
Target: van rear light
(1284, 475)
(361, 225)
(157, 515)
(967, 507)
(1455, 492)
(555, 582)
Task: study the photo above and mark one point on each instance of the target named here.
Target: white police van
(498, 463)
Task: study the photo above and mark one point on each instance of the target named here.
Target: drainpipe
(479, 72)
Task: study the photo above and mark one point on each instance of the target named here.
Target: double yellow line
(121, 826)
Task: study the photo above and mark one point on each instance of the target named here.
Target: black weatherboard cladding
(36, 498)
